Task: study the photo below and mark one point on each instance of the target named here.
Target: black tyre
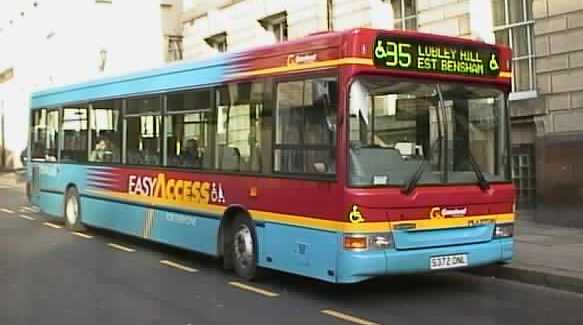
(244, 248)
(72, 210)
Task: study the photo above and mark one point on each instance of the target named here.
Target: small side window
(74, 128)
(305, 139)
(106, 132)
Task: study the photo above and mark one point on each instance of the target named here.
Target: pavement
(545, 255)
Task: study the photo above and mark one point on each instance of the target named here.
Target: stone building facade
(44, 45)
(546, 37)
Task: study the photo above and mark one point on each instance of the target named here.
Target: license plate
(448, 261)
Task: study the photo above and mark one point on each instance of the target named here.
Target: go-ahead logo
(439, 213)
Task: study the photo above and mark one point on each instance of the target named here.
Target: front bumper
(358, 266)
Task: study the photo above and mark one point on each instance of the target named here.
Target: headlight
(504, 230)
(360, 242)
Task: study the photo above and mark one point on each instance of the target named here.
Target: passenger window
(106, 132)
(74, 130)
(188, 128)
(239, 119)
(38, 136)
(144, 125)
(305, 139)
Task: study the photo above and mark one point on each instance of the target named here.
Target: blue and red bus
(340, 156)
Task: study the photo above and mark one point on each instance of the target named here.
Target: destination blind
(424, 56)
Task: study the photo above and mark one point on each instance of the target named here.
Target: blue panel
(186, 231)
(357, 266)
(172, 77)
(408, 239)
(299, 250)
(116, 216)
(51, 204)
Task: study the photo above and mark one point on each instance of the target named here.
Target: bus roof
(314, 52)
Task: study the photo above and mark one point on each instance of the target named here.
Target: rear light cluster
(362, 242)
(504, 230)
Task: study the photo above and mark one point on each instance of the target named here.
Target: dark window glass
(238, 140)
(189, 139)
(306, 126)
(106, 132)
(144, 140)
(75, 125)
(144, 105)
(189, 101)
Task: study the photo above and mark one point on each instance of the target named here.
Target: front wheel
(73, 210)
(244, 248)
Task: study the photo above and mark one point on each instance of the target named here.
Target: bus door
(45, 170)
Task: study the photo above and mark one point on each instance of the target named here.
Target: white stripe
(24, 216)
(347, 317)
(52, 225)
(253, 289)
(80, 234)
(120, 247)
(7, 211)
(178, 266)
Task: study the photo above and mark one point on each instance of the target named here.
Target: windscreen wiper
(411, 183)
(482, 181)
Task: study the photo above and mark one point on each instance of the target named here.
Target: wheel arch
(226, 225)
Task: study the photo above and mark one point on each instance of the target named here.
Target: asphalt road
(49, 275)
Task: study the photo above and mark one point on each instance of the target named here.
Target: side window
(106, 132)
(38, 134)
(239, 119)
(305, 139)
(189, 129)
(45, 134)
(143, 134)
(74, 128)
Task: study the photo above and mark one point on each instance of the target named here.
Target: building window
(218, 42)
(174, 48)
(524, 175)
(277, 24)
(405, 14)
(513, 27)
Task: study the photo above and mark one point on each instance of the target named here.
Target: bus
(340, 156)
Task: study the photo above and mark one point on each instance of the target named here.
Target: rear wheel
(73, 210)
(244, 248)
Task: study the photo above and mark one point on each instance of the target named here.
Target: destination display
(423, 56)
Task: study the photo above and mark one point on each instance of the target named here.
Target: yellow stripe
(505, 74)
(307, 66)
(347, 317)
(52, 225)
(178, 266)
(253, 289)
(311, 222)
(122, 248)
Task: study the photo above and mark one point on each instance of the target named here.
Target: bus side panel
(299, 250)
(125, 218)
(51, 204)
(198, 233)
